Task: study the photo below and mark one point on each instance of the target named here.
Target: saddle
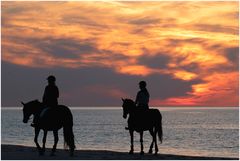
(40, 116)
(43, 112)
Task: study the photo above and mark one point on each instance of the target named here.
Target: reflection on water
(187, 131)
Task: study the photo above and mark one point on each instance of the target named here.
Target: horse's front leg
(151, 146)
(55, 134)
(141, 141)
(44, 140)
(37, 130)
(131, 135)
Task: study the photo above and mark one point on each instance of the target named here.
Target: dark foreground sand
(17, 152)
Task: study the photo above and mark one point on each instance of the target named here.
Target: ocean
(212, 132)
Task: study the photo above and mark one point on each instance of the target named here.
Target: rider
(51, 93)
(50, 96)
(142, 97)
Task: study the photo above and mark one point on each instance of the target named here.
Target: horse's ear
(123, 100)
(22, 103)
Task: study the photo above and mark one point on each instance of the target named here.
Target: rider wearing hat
(142, 97)
(51, 93)
(50, 97)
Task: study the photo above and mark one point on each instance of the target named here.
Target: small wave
(224, 147)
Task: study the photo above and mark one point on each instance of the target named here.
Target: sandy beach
(17, 152)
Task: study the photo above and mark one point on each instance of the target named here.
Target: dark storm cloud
(81, 20)
(144, 21)
(216, 28)
(28, 83)
(158, 61)
(233, 55)
(57, 47)
(64, 47)
(163, 86)
(193, 67)
(175, 42)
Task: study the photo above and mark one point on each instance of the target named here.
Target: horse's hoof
(156, 153)
(150, 151)
(142, 153)
(130, 152)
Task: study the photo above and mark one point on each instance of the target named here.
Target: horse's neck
(132, 110)
(38, 109)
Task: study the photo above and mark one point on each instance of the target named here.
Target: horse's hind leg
(44, 140)
(37, 130)
(155, 140)
(141, 141)
(55, 133)
(151, 146)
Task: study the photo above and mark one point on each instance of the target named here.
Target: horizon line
(119, 107)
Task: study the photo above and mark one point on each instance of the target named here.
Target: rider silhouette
(50, 97)
(51, 93)
(142, 97)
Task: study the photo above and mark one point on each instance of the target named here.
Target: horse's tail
(159, 128)
(68, 132)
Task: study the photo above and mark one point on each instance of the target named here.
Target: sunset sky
(187, 52)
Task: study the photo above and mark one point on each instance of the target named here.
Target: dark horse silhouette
(52, 120)
(141, 120)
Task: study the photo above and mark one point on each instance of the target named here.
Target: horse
(141, 120)
(49, 119)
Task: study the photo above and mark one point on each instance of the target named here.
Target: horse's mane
(33, 102)
(130, 101)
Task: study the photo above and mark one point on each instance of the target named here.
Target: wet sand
(17, 152)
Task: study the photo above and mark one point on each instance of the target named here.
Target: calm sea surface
(187, 131)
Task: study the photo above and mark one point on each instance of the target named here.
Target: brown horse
(50, 120)
(141, 120)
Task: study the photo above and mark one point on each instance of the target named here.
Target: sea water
(186, 131)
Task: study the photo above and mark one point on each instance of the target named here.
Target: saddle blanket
(43, 112)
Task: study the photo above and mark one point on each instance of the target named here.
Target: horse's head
(128, 104)
(29, 109)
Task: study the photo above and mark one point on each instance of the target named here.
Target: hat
(51, 78)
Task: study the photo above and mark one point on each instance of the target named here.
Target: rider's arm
(137, 98)
(57, 92)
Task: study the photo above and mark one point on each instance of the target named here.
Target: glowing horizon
(195, 43)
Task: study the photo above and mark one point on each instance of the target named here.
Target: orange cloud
(184, 75)
(218, 90)
(135, 70)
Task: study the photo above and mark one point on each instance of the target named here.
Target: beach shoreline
(18, 152)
